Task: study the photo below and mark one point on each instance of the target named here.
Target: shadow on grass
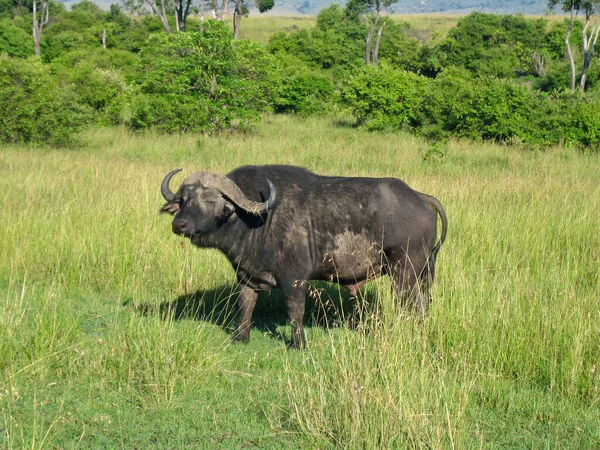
(327, 306)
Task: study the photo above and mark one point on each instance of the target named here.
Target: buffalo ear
(228, 209)
(223, 210)
(170, 208)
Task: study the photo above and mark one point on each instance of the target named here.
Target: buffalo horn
(164, 187)
(229, 189)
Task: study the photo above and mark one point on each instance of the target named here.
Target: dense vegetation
(492, 77)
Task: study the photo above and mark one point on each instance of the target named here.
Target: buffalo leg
(295, 298)
(246, 303)
(411, 286)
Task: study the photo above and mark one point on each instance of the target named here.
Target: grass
(115, 333)
(260, 28)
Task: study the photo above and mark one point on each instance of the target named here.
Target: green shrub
(495, 45)
(337, 41)
(487, 108)
(14, 41)
(169, 113)
(53, 46)
(110, 59)
(381, 97)
(303, 91)
(228, 83)
(102, 92)
(34, 109)
(582, 126)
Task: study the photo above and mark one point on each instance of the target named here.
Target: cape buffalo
(281, 226)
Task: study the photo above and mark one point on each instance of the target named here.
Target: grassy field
(114, 333)
(425, 27)
(260, 28)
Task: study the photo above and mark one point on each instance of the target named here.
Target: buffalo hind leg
(412, 290)
(246, 303)
(295, 298)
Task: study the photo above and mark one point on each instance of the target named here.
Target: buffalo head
(205, 201)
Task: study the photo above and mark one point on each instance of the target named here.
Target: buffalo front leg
(295, 298)
(246, 303)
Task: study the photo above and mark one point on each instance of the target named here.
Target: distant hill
(312, 7)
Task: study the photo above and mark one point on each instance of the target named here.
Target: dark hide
(345, 230)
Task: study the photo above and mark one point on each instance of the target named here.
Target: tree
(161, 13)
(182, 11)
(180, 8)
(574, 7)
(359, 7)
(589, 43)
(201, 81)
(39, 22)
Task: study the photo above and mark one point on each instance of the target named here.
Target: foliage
(485, 108)
(14, 40)
(554, 40)
(335, 43)
(382, 97)
(110, 59)
(400, 48)
(302, 90)
(478, 108)
(82, 28)
(490, 44)
(581, 121)
(207, 74)
(101, 90)
(265, 5)
(34, 109)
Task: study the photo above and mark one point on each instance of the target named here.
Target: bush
(102, 92)
(34, 109)
(208, 73)
(581, 122)
(382, 97)
(303, 91)
(337, 41)
(15, 41)
(110, 59)
(486, 108)
(169, 113)
(495, 45)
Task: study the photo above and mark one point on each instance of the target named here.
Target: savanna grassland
(115, 333)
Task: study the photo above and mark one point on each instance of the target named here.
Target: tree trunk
(185, 8)
(160, 13)
(177, 23)
(104, 38)
(588, 49)
(375, 58)
(368, 41)
(223, 10)
(569, 52)
(237, 19)
(38, 25)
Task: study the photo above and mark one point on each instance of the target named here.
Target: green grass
(115, 333)
(260, 28)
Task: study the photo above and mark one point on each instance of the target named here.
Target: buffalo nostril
(180, 226)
